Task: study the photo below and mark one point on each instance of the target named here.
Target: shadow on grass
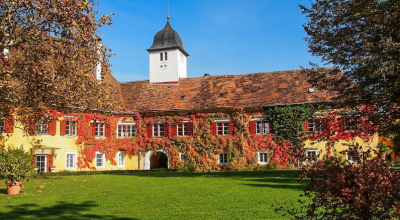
(228, 174)
(62, 210)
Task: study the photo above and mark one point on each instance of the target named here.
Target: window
(183, 129)
(311, 155)
(100, 158)
(161, 56)
(314, 125)
(121, 158)
(182, 157)
(71, 128)
(42, 128)
(223, 128)
(158, 130)
(351, 156)
(2, 126)
(166, 56)
(41, 162)
(262, 157)
(223, 159)
(262, 127)
(126, 130)
(350, 124)
(100, 128)
(70, 160)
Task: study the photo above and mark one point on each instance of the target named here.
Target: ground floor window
(70, 160)
(182, 157)
(100, 160)
(41, 163)
(121, 158)
(311, 155)
(262, 157)
(223, 159)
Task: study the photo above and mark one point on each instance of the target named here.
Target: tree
(360, 39)
(50, 49)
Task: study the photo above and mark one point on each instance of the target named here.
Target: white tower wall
(176, 66)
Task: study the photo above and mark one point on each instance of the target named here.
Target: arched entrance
(156, 160)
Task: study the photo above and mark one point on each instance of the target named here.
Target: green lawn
(154, 195)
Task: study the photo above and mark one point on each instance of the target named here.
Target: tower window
(161, 56)
(166, 56)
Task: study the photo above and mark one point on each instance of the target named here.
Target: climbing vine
(283, 145)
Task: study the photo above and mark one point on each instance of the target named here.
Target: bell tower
(167, 57)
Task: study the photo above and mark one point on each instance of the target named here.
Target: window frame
(265, 157)
(71, 128)
(66, 160)
(224, 159)
(182, 155)
(311, 150)
(165, 56)
(2, 126)
(103, 158)
(122, 134)
(352, 156)
(99, 126)
(42, 126)
(123, 154)
(185, 128)
(316, 125)
(224, 125)
(159, 131)
(262, 121)
(161, 56)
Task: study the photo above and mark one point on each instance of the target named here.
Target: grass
(154, 195)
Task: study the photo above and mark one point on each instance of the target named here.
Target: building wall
(57, 146)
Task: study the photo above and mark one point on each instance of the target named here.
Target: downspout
(140, 161)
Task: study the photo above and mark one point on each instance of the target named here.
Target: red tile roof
(249, 90)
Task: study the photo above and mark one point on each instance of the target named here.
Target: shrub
(16, 164)
(364, 190)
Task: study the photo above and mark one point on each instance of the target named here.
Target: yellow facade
(58, 146)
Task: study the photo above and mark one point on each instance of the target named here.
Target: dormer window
(166, 56)
(161, 56)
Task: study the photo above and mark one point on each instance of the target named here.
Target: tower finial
(168, 11)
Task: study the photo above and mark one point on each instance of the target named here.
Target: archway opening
(159, 160)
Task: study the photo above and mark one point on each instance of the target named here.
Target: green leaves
(16, 164)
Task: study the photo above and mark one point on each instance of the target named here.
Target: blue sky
(223, 37)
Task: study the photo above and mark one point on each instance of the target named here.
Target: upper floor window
(161, 56)
(314, 125)
(223, 128)
(100, 128)
(350, 124)
(42, 128)
(71, 128)
(158, 130)
(126, 130)
(183, 129)
(2, 126)
(262, 127)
